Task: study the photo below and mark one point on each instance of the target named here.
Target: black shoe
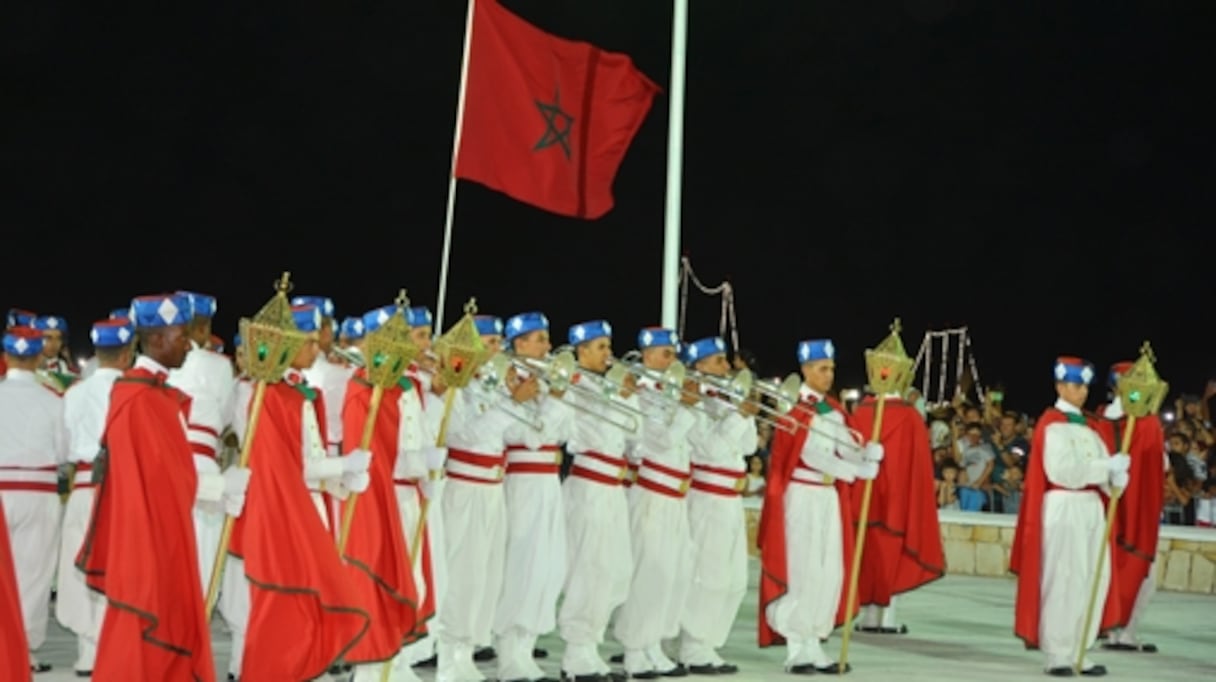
(616, 658)
(878, 630)
(728, 669)
(1120, 646)
(678, 671)
(833, 668)
(84, 673)
(427, 662)
(589, 677)
(484, 654)
(1061, 671)
(539, 653)
(801, 669)
(706, 669)
(644, 675)
(40, 668)
(1094, 671)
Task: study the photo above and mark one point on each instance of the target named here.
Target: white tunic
(33, 443)
(331, 379)
(85, 407)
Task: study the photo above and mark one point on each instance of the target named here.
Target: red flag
(547, 120)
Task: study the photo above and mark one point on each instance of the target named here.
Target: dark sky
(1042, 172)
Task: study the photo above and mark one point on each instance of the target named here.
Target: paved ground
(961, 629)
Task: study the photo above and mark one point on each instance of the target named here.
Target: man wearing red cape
(140, 548)
(305, 612)
(1137, 519)
(805, 528)
(14, 648)
(376, 546)
(903, 548)
(1060, 527)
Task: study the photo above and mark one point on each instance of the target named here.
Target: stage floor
(960, 629)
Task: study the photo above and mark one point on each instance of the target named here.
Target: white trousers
(475, 539)
(78, 608)
(719, 575)
(1073, 527)
(409, 504)
(1127, 635)
(662, 566)
(33, 531)
(208, 526)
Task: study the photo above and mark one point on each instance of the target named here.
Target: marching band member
(327, 375)
(85, 406)
(377, 542)
(535, 566)
(806, 524)
(33, 444)
(305, 609)
(350, 333)
(474, 514)
(140, 550)
(600, 560)
(719, 443)
(1137, 522)
(16, 318)
(658, 517)
(1061, 524)
(903, 547)
(54, 366)
(206, 377)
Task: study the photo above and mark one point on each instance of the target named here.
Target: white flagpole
(447, 226)
(675, 162)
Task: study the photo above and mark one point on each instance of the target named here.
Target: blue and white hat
(703, 348)
(23, 342)
(201, 305)
(352, 328)
(236, 341)
(525, 323)
(161, 310)
(306, 317)
(816, 349)
(375, 318)
(51, 323)
(488, 325)
(120, 314)
(657, 336)
(324, 304)
(1117, 370)
(112, 333)
(418, 316)
(20, 318)
(1073, 370)
(589, 331)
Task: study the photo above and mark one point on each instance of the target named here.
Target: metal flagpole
(675, 161)
(451, 212)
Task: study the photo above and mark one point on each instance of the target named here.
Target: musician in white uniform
(600, 559)
(720, 442)
(33, 444)
(326, 374)
(536, 523)
(658, 515)
(85, 406)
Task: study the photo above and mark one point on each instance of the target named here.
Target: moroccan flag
(547, 120)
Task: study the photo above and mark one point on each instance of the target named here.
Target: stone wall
(979, 544)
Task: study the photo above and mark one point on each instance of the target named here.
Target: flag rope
(724, 289)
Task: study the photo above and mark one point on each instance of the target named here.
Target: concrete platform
(961, 628)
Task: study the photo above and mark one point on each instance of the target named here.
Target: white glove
(428, 488)
(210, 487)
(1119, 479)
(236, 483)
(1119, 463)
(434, 456)
(325, 469)
(356, 461)
(867, 471)
(356, 481)
(874, 452)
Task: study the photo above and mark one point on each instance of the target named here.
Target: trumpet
(669, 382)
(560, 371)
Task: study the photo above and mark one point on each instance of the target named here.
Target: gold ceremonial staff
(889, 370)
(270, 342)
(1141, 392)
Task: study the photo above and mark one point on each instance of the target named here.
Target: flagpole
(675, 163)
(451, 212)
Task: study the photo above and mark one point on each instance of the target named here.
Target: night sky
(1042, 172)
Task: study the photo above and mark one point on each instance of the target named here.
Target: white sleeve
(1068, 466)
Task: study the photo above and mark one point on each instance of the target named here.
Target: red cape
(305, 611)
(376, 546)
(1025, 558)
(140, 549)
(903, 547)
(784, 454)
(1138, 516)
(14, 648)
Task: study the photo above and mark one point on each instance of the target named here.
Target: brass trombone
(561, 372)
